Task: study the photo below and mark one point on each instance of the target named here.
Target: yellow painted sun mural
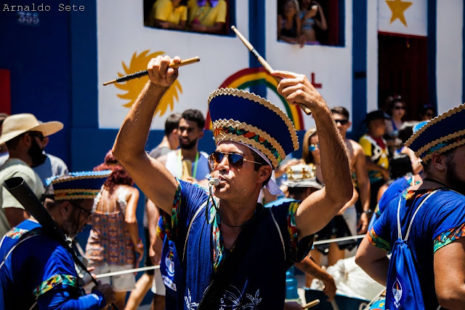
(133, 87)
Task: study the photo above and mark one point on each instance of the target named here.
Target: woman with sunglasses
(232, 250)
(397, 111)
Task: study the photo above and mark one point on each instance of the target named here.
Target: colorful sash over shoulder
(78, 185)
(443, 133)
(243, 117)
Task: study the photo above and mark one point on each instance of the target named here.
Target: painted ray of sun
(248, 77)
(133, 87)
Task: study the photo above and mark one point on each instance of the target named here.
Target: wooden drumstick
(128, 77)
(250, 47)
(311, 304)
(261, 60)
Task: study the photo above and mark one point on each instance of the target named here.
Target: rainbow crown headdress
(77, 185)
(441, 134)
(243, 117)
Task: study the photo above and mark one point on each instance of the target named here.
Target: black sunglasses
(87, 213)
(341, 121)
(37, 134)
(399, 107)
(236, 160)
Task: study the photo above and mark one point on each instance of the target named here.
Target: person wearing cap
(21, 133)
(436, 237)
(231, 250)
(376, 151)
(36, 270)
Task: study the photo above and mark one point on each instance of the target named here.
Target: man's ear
(27, 139)
(264, 172)
(439, 162)
(65, 208)
(45, 142)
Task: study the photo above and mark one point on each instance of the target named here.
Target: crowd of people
(300, 22)
(208, 16)
(224, 228)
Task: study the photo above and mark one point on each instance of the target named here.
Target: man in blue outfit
(232, 252)
(36, 270)
(436, 215)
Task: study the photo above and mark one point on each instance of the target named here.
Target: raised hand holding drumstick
(264, 63)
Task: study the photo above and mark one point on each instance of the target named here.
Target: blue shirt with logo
(259, 282)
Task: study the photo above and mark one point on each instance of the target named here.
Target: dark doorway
(403, 70)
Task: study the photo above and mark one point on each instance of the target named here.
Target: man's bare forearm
(365, 195)
(153, 216)
(129, 147)
(334, 160)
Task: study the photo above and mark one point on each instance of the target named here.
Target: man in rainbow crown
(432, 221)
(233, 253)
(36, 270)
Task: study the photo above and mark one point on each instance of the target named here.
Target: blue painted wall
(35, 48)
(432, 92)
(359, 67)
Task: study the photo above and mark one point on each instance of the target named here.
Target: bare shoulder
(128, 189)
(356, 147)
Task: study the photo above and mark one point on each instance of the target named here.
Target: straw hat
(18, 124)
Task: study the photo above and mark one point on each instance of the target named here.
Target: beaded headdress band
(441, 134)
(78, 185)
(243, 117)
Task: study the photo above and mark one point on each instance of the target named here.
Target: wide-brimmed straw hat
(246, 118)
(17, 124)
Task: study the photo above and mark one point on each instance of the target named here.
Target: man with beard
(435, 213)
(21, 133)
(36, 270)
(232, 252)
(188, 163)
(47, 165)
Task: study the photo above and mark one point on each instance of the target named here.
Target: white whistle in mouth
(214, 181)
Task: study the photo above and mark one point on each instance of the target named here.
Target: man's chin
(222, 192)
(187, 147)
